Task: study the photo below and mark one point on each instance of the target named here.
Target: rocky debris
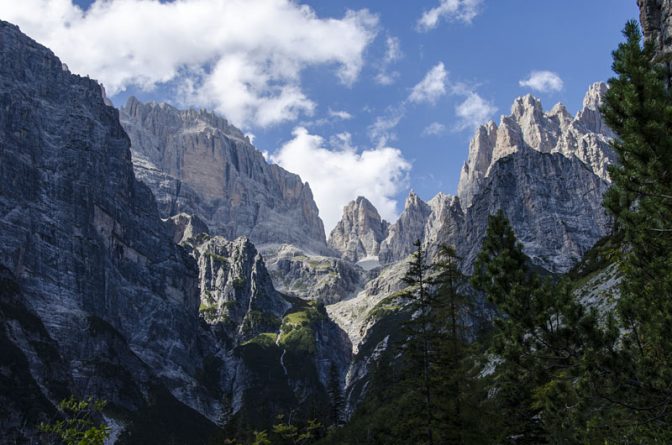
(359, 232)
(196, 162)
(354, 315)
(584, 136)
(313, 277)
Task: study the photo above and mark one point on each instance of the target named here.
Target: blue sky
(319, 79)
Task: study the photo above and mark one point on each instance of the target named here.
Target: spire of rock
(584, 136)
(409, 227)
(359, 232)
(589, 116)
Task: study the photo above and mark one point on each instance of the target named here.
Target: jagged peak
(413, 200)
(595, 95)
(442, 197)
(558, 109)
(361, 201)
(135, 107)
(524, 104)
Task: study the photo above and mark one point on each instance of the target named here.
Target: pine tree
(420, 346)
(638, 107)
(335, 396)
(450, 376)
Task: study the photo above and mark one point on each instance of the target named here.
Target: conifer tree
(335, 396)
(451, 380)
(638, 107)
(420, 330)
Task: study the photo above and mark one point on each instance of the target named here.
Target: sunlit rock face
(196, 162)
(584, 136)
(359, 232)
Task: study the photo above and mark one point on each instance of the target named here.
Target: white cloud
(543, 81)
(473, 111)
(340, 114)
(381, 132)
(431, 87)
(434, 129)
(241, 57)
(453, 10)
(392, 54)
(340, 173)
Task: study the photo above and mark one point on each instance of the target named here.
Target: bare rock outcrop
(359, 232)
(196, 162)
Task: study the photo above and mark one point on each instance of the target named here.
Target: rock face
(313, 277)
(409, 227)
(436, 222)
(93, 267)
(185, 227)
(555, 226)
(584, 136)
(236, 289)
(656, 19)
(195, 162)
(359, 232)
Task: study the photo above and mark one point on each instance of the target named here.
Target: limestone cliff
(196, 162)
(359, 232)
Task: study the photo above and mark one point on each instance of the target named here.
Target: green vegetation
(257, 320)
(549, 370)
(285, 434)
(265, 340)
(80, 424)
(297, 331)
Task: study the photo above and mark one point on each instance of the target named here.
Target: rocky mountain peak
(190, 119)
(359, 232)
(526, 107)
(589, 116)
(413, 202)
(197, 163)
(406, 230)
(584, 136)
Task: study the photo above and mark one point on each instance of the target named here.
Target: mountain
(153, 258)
(176, 327)
(359, 232)
(656, 19)
(584, 136)
(197, 163)
(98, 300)
(406, 230)
(548, 172)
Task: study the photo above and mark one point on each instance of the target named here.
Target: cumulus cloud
(431, 87)
(473, 111)
(338, 173)
(434, 129)
(543, 81)
(452, 10)
(242, 58)
(392, 54)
